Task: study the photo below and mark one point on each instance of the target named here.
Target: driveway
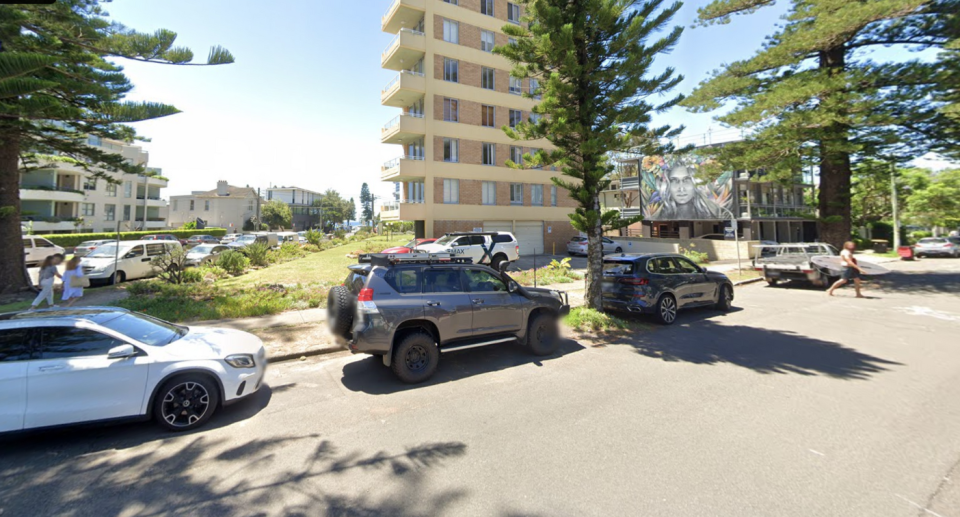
(795, 404)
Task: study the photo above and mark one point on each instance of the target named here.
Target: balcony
(403, 211)
(405, 50)
(405, 89)
(758, 211)
(403, 129)
(403, 13)
(151, 201)
(59, 194)
(154, 223)
(405, 168)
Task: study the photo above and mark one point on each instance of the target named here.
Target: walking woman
(48, 272)
(851, 270)
(73, 282)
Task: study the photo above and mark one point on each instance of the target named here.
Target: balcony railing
(390, 206)
(396, 161)
(50, 189)
(761, 211)
(396, 41)
(396, 120)
(396, 80)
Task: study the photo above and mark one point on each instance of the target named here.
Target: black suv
(409, 308)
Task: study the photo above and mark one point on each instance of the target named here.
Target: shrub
(583, 318)
(212, 273)
(311, 248)
(144, 288)
(171, 268)
(314, 237)
(920, 234)
(291, 251)
(339, 234)
(191, 276)
(70, 240)
(233, 262)
(698, 257)
(258, 253)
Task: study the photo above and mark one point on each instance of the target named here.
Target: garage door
(530, 236)
(497, 226)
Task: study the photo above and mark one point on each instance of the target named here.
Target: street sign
(729, 233)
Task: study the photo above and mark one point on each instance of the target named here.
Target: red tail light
(518, 250)
(634, 281)
(366, 295)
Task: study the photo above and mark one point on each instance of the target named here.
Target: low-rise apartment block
(301, 201)
(223, 207)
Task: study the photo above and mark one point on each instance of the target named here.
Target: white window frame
(515, 118)
(488, 195)
(111, 190)
(484, 109)
(488, 40)
(127, 189)
(516, 154)
(451, 70)
(516, 194)
(486, 84)
(516, 85)
(109, 215)
(451, 191)
(536, 195)
(484, 147)
(488, 7)
(451, 150)
(451, 31)
(451, 110)
(553, 195)
(92, 212)
(513, 13)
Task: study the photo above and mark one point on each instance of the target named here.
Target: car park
(130, 260)
(938, 247)
(204, 254)
(195, 240)
(410, 308)
(410, 246)
(491, 248)
(270, 239)
(578, 246)
(661, 284)
(160, 237)
(36, 249)
(85, 248)
(227, 239)
(69, 366)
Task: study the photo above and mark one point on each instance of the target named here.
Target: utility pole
(258, 211)
(896, 207)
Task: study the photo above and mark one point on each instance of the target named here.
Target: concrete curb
(309, 353)
(748, 281)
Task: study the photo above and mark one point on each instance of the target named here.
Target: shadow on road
(920, 282)
(699, 340)
(372, 377)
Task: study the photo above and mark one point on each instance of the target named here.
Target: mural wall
(678, 189)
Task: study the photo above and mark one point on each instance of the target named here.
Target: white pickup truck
(792, 262)
(490, 248)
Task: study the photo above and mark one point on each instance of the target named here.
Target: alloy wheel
(185, 404)
(668, 309)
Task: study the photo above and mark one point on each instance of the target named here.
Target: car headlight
(240, 361)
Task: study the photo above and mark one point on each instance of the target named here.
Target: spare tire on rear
(339, 311)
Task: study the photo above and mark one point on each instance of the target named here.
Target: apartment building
(64, 198)
(301, 201)
(223, 207)
(455, 95)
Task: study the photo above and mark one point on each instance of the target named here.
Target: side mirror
(503, 266)
(122, 352)
(513, 287)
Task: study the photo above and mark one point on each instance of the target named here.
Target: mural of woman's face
(681, 185)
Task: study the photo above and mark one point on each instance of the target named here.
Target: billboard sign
(684, 188)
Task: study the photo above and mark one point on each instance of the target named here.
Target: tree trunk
(593, 297)
(13, 276)
(835, 170)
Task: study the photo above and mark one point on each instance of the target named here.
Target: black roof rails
(392, 259)
(472, 233)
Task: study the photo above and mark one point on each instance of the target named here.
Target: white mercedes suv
(68, 366)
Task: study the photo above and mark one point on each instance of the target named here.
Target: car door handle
(478, 301)
(50, 368)
(433, 304)
(145, 260)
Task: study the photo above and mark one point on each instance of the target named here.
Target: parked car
(661, 284)
(71, 366)
(791, 261)
(227, 239)
(133, 260)
(285, 237)
(84, 248)
(204, 254)
(937, 247)
(491, 248)
(195, 240)
(270, 239)
(410, 310)
(161, 237)
(578, 246)
(36, 249)
(408, 247)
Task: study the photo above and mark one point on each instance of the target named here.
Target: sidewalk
(284, 319)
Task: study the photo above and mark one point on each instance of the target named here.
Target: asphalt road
(794, 405)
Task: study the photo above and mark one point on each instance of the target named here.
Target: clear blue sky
(301, 105)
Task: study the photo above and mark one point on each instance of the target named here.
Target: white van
(35, 249)
(132, 260)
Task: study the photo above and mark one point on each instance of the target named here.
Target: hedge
(71, 240)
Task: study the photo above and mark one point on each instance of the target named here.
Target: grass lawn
(743, 274)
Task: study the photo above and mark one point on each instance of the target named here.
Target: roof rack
(392, 259)
(472, 233)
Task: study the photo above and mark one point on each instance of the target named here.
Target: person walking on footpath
(73, 282)
(851, 270)
(48, 272)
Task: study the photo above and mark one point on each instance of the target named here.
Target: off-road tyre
(497, 260)
(543, 334)
(772, 282)
(339, 311)
(415, 358)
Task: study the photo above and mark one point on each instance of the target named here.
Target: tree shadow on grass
(372, 377)
(699, 340)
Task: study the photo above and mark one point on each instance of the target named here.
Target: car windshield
(89, 244)
(446, 239)
(109, 250)
(202, 250)
(147, 330)
(932, 241)
(247, 238)
(577, 239)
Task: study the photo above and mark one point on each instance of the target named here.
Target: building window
(489, 154)
(206, 205)
(451, 191)
(488, 78)
(511, 41)
(451, 150)
(451, 110)
(535, 118)
(451, 31)
(513, 12)
(516, 116)
(90, 183)
(250, 206)
(487, 41)
(516, 85)
(127, 189)
(536, 195)
(109, 212)
(488, 116)
(126, 212)
(489, 192)
(111, 190)
(486, 7)
(88, 209)
(533, 152)
(516, 193)
(516, 155)
(452, 2)
(553, 195)
(191, 205)
(535, 88)
(451, 69)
